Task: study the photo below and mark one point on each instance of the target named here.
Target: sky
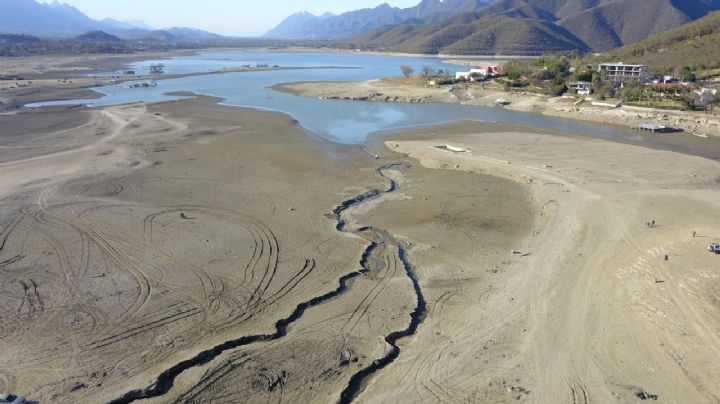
(227, 17)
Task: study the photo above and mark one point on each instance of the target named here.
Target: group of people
(650, 224)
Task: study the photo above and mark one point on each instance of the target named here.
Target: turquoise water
(343, 121)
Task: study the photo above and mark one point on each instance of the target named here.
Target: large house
(481, 71)
(622, 73)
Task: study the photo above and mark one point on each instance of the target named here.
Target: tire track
(166, 380)
(5, 233)
(110, 250)
(259, 273)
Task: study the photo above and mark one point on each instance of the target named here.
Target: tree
(427, 71)
(407, 71)
(515, 69)
(632, 92)
(584, 75)
(687, 75)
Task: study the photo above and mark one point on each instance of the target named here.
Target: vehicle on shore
(11, 399)
(714, 248)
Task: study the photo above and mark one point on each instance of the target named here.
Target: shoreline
(398, 90)
(416, 90)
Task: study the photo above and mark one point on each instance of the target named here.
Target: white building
(621, 72)
(582, 87)
(484, 71)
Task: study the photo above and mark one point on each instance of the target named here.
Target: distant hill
(92, 42)
(307, 26)
(98, 36)
(63, 21)
(55, 19)
(191, 33)
(695, 45)
(127, 25)
(292, 26)
(14, 39)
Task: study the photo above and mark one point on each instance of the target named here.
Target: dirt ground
(191, 252)
(594, 306)
(135, 237)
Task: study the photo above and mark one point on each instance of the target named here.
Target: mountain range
(327, 26)
(500, 26)
(61, 20)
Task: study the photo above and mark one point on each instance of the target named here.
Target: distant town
(609, 82)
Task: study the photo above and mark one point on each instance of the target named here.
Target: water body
(342, 121)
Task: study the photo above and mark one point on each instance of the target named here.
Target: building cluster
(621, 73)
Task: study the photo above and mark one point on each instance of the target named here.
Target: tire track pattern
(165, 381)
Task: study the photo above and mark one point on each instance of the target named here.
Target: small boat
(157, 68)
(452, 149)
(143, 84)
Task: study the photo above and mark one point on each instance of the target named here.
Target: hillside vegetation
(328, 26)
(534, 27)
(468, 34)
(695, 45)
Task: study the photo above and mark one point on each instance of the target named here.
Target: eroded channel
(166, 380)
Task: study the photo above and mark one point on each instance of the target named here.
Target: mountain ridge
(565, 25)
(29, 17)
(358, 21)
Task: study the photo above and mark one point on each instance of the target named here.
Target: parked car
(11, 399)
(715, 248)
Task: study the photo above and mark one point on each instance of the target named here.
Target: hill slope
(615, 23)
(98, 36)
(471, 34)
(534, 26)
(696, 45)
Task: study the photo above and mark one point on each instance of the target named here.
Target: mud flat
(191, 252)
(212, 249)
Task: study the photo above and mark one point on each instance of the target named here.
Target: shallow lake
(343, 121)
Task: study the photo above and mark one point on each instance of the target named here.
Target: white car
(715, 247)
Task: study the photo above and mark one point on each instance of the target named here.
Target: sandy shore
(417, 90)
(593, 306)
